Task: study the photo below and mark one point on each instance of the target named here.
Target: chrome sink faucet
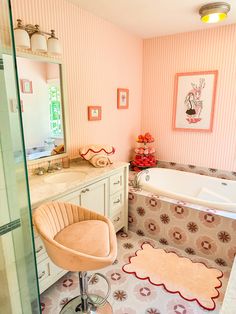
(39, 171)
(136, 181)
(50, 168)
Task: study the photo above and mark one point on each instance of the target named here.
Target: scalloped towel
(100, 161)
(88, 151)
(191, 280)
(97, 155)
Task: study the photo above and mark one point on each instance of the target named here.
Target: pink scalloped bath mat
(193, 281)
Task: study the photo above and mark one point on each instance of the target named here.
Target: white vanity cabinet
(106, 194)
(93, 196)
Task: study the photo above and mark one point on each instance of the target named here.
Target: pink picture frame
(94, 113)
(122, 98)
(26, 86)
(194, 101)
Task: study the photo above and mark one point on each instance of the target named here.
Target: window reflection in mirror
(41, 105)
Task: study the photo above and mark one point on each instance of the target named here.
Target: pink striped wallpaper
(212, 49)
(98, 58)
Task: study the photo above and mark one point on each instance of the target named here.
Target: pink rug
(193, 281)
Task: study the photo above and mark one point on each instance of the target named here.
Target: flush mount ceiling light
(214, 12)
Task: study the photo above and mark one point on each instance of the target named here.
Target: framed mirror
(42, 106)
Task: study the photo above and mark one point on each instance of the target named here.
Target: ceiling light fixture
(214, 12)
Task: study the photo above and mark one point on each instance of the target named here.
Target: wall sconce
(214, 12)
(30, 36)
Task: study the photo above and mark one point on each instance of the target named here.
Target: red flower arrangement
(144, 157)
(146, 138)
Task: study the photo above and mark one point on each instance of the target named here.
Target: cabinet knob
(116, 202)
(85, 190)
(116, 219)
(39, 249)
(42, 275)
(117, 182)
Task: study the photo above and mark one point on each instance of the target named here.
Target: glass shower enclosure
(19, 293)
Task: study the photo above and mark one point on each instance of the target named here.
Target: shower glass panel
(18, 274)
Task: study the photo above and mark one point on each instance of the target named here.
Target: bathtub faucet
(136, 181)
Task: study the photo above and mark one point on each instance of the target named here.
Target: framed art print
(26, 86)
(122, 98)
(94, 113)
(194, 101)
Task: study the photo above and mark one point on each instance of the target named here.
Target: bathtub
(190, 187)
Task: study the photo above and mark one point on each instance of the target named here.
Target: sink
(64, 177)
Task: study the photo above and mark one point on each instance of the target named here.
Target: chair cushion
(89, 237)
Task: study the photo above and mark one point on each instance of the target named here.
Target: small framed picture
(122, 98)
(94, 113)
(26, 86)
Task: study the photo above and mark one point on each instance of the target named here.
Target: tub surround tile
(195, 230)
(218, 173)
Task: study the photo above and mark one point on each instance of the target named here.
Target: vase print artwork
(193, 102)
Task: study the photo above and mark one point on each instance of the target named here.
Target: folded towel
(100, 161)
(58, 150)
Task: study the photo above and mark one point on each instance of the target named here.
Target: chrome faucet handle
(57, 166)
(39, 171)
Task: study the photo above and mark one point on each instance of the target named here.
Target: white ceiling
(150, 18)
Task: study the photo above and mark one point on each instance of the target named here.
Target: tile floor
(130, 295)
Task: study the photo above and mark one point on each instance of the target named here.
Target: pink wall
(212, 49)
(98, 58)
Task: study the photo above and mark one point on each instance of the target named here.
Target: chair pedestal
(86, 304)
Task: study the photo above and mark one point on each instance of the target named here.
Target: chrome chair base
(87, 303)
(75, 306)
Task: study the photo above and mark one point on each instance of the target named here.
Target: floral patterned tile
(195, 231)
(130, 295)
(222, 174)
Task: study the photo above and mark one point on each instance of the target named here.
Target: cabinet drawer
(116, 202)
(116, 182)
(117, 221)
(54, 269)
(43, 270)
(39, 247)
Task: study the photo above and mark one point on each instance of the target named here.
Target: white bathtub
(190, 187)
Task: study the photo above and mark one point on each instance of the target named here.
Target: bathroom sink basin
(64, 177)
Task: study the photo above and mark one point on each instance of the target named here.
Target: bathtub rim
(223, 206)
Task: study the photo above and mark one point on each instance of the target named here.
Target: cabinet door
(95, 197)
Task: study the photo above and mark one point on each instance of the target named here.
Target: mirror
(40, 85)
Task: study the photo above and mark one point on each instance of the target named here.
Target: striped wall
(212, 49)
(98, 58)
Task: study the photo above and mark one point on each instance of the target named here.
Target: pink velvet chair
(77, 239)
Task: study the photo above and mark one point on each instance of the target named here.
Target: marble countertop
(47, 187)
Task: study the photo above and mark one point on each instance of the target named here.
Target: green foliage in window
(55, 111)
